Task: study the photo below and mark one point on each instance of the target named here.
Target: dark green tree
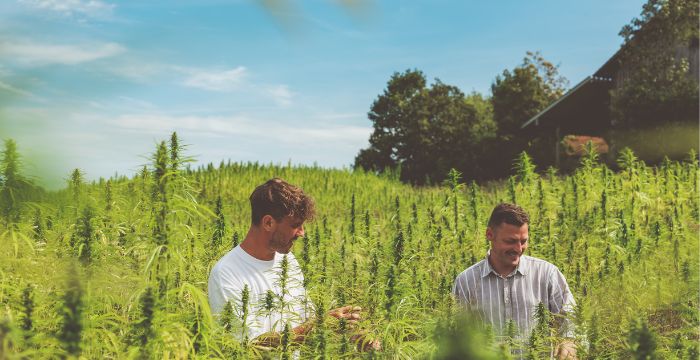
(424, 130)
(520, 94)
(658, 85)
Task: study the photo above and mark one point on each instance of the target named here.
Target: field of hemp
(118, 268)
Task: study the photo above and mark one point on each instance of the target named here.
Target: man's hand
(566, 350)
(365, 343)
(350, 313)
(273, 339)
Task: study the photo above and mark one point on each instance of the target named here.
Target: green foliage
(524, 168)
(539, 343)
(72, 316)
(219, 225)
(424, 130)
(83, 236)
(658, 87)
(590, 159)
(75, 184)
(399, 266)
(641, 341)
(627, 160)
(38, 226)
(142, 329)
(175, 152)
(27, 308)
(159, 194)
(14, 187)
(286, 341)
(245, 308)
(462, 337)
(593, 337)
(520, 94)
(516, 96)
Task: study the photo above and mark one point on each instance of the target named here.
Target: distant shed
(585, 108)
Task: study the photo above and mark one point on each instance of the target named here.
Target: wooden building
(585, 109)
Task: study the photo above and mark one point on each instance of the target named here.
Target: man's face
(285, 232)
(508, 243)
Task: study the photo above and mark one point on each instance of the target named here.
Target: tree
(657, 85)
(423, 130)
(517, 96)
(520, 94)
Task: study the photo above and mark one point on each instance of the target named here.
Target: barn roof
(589, 89)
(592, 89)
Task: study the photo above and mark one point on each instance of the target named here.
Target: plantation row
(118, 268)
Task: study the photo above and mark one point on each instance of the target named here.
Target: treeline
(425, 130)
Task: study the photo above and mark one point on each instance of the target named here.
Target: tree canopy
(425, 130)
(520, 94)
(658, 85)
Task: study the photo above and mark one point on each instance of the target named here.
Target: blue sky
(94, 84)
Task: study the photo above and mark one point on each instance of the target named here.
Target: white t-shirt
(238, 268)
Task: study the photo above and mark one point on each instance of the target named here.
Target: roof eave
(568, 93)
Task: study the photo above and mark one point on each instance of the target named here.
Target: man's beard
(278, 244)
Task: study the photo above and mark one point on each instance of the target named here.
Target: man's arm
(562, 304)
(274, 339)
(460, 289)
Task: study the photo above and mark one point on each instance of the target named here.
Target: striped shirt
(498, 299)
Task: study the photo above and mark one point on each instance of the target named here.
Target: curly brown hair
(508, 213)
(278, 199)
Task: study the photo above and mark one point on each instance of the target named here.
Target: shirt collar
(522, 267)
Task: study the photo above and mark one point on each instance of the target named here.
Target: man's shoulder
(542, 264)
(228, 264)
(474, 270)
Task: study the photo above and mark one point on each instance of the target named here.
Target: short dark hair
(508, 213)
(278, 199)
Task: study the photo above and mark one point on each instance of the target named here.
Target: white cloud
(37, 54)
(12, 89)
(254, 129)
(233, 80)
(215, 80)
(137, 71)
(281, 94)
(341, 116)
(91, 8)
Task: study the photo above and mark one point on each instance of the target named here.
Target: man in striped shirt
(507, 286)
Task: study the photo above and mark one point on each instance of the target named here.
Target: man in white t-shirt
(263, 267)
